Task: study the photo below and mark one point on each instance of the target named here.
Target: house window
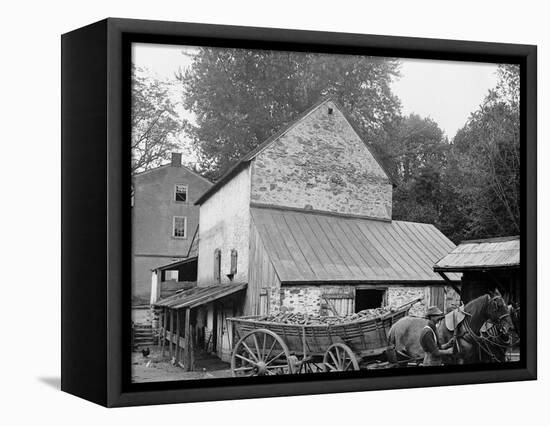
(217, 265)
(180, 227)
(171, 275)
(180, 193)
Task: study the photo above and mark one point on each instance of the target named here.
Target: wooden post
(187, 356)
(177, 355)
(192, 349)
(160, 330)
(164, 322)
(171, 333)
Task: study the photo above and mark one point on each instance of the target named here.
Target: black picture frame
(96, 227)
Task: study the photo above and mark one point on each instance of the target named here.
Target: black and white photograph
(302, 213)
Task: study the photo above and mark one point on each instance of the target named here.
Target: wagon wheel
(261, 353)
(339, 357)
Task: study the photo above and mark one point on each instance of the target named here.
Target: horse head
(499, 312)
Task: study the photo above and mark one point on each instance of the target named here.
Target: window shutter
(217, 265)
(233, 270)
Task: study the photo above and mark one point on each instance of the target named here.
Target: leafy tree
(418, 153)
(154, 121)
(241, 97)
(484, 166)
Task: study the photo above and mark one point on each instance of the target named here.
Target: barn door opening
(369, 299)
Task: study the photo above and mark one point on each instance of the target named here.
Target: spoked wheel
(339, 357)
(261, 353)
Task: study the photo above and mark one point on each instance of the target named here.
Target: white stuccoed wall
(225, 224)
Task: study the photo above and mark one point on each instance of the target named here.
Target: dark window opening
(368, 299)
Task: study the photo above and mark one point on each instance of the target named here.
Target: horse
(497, 341)
(404, 335)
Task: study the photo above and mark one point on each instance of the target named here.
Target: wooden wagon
(272, 348)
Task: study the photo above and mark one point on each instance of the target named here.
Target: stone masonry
(322, 164)
(307, 298)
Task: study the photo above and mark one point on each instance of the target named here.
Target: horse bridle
(481, 341)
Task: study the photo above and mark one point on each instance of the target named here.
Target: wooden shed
(183, 319)
(485, 265)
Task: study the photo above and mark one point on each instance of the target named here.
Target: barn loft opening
(368, 299)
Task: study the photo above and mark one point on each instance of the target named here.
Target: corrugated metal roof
(199, 296)
(482, 254)
(319, 247)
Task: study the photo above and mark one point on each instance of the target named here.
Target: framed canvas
(254, 212)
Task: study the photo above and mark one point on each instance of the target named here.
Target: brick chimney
(176, 159)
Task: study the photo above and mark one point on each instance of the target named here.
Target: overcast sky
(443, 90)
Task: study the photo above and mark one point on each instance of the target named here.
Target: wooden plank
(187, 357)
(177, 336)
(164, 322)
(171, 333)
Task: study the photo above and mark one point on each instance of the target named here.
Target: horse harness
(483, 343)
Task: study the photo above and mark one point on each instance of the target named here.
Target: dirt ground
(155, 368)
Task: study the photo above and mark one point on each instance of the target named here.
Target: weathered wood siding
(263, 282)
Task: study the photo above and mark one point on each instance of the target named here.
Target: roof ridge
(318, 212)
(162, 166)
(492, 240)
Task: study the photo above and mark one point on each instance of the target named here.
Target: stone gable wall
(321, 163)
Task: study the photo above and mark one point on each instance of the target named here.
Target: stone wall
(307, 298)
(321, 163)
(397, 296)
(303, 299)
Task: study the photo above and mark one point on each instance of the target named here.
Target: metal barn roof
(318, 247)
(481, 254)
(199, 296)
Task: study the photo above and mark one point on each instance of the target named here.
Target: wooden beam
(187, 357)
(177, 336)
(451, 283)
(161, 327)
(171, 352)
(164, 323)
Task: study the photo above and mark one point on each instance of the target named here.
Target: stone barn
(305, 222)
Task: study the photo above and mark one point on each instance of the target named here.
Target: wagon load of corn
(305, 319)
(291, 342)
